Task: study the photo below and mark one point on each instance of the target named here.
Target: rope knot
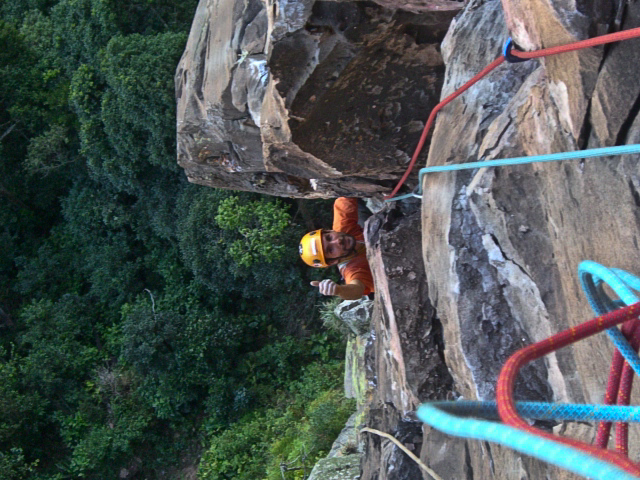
(506, 52)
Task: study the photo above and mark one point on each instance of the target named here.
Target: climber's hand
(326, 287)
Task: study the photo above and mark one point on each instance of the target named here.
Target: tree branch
(8, 131)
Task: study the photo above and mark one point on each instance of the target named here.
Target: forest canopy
(143, 320)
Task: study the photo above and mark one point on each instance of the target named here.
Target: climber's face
(337, 246)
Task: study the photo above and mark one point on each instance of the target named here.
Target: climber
(342, 246)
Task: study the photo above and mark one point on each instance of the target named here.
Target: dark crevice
(438, 337)
(491, 463)
(197, 87)
(626, 126)
(422, 34)
(634, 193)
(488, 151)
(587, 127)
(495, 240)
(467, 461)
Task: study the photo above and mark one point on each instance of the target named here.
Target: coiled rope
(578, 457)
(506, 382)
(593, 277)
(508, 56)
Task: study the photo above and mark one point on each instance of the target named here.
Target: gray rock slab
(337, 468)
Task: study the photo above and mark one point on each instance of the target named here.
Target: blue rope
(545, 411)
(553, 157)
(558, 454)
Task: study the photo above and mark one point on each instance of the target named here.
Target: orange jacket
(345, 220)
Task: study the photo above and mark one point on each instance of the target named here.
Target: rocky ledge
(307, 98)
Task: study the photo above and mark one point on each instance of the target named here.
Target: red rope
(592, 42)
(624, 394)
(613, 386)
(427, 128)
(506, 381)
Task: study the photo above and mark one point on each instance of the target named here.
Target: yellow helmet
(311, 250)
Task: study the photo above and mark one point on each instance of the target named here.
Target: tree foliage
(295, 434)
(260, 225)
(140, 317)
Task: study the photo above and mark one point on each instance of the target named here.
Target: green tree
(208, 250)
(261, 225)
(138, 111)
(94, 214)
(149, 16)
(81, 29)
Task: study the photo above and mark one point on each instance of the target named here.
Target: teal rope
(402, 197)
(553, 157)
(558, 454)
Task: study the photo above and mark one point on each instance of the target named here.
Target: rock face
(343, 461)
(356, 314)
(501, 247)
(337, 468)
(324, 99)
(405, 364)
(306, 98)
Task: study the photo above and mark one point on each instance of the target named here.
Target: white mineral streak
(528, 309)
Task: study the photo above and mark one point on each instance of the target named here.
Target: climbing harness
(593, 461)
(510, 54)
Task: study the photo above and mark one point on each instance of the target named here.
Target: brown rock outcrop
(305, 98)
(501, 247)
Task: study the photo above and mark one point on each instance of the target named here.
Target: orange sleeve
(345, 216)
(358, 269)
(345, 220)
